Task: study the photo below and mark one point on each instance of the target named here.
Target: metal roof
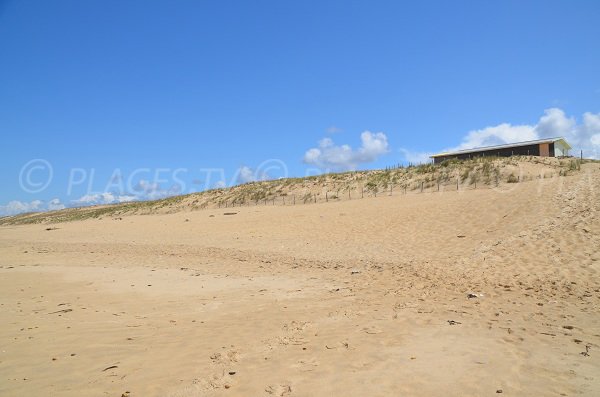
(508, 145)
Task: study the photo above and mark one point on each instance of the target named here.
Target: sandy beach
(469, 293)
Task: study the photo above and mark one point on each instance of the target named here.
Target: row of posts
(362, 194)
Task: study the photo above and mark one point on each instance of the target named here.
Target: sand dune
(468, 293)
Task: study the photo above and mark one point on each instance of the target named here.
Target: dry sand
(358, 298)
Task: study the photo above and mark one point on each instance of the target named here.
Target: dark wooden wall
(529, 150)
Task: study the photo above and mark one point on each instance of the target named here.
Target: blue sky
(118, 95)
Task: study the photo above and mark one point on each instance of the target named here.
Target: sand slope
(360, 297)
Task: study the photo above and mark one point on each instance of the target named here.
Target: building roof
(508, 145)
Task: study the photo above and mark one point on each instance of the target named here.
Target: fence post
(475, 182)
(294, 199)
(315, 198)
(421, 186)
(349, 198)
(326, 198)
(362, 192)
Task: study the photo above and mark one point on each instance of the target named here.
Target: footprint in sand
(307, 365)
(372, 330)
(279, 390)
(296, 326)
(231, 356)
(212, 382)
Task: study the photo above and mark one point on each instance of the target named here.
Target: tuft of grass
(512, 179)
(574, 165)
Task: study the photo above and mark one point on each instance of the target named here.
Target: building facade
(551, 147)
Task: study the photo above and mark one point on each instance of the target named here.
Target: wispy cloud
(333, 130)
(329, 156)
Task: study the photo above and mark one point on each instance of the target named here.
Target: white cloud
(144, 190)
(416, 157)
(588, 135)
(553, 123)
(496, 135)
(55, 204)
(246, 174)
(153, 191)
(103, 198)
(18, 207)
(333, 130)
(328, 156)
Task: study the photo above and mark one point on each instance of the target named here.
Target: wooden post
(362, 192)
(391, 189)
(421, 186)
(315, 198)
(294, 199)
(326, 198)
(438, 185)
(457, 179)
(349, 198)
(581, 155)
(475, 182)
